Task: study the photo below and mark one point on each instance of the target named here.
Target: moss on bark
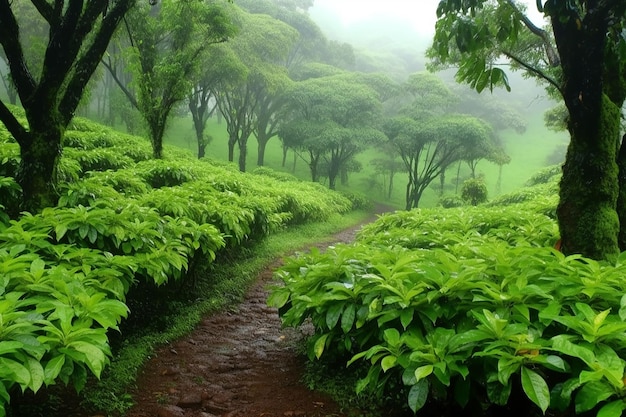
(587, 210)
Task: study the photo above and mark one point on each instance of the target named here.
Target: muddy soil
(239, 363)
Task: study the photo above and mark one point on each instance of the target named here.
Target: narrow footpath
(239, 363)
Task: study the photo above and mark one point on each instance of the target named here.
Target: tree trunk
(157, 130)
(201, 150)
(390, 188)
(587, 211)
(285, 149)
(333, 172)
(243, 153)
(231, 148)
(39, 159)
(260, 159)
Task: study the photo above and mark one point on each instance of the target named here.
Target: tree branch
(122, 87)
(87, 63)
(18, 131)
(534, 70)
(46, 11)
(553, 56)
(9, 39)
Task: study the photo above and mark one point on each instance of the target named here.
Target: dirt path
(238, 363)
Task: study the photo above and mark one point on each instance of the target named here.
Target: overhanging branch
(534, 70)
(551, 53)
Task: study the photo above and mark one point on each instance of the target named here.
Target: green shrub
(165, 173)
(451, 201)
(9, 159)
(474, 191)
(545, 175)
(277, 175)
(484, 313)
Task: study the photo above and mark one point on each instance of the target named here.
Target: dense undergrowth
(467, 311)
(127, 234)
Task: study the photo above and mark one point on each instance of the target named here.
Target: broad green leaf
(95, 358)
(536, 388)
(332, 315)
(53, 369)
(388, 362)
(320, 344)
(423, 371)
(9, 346)
(392, 337)
(591, 394)
(36, 373)
(612, 409)
(347, 318)
(418, 395)
(561, 344)
(406, 317)
(15, 371)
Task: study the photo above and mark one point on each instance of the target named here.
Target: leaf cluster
(122, 223)
(467, 307)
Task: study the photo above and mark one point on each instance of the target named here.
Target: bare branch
(553, 56)
(9, 39)
(46, 11)
(534, 70)
(18, 131)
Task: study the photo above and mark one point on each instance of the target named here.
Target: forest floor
(238, 363)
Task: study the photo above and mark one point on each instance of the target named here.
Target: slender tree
(168, 45)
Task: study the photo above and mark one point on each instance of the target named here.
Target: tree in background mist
(332, 119)
(168, 46)
(50, 90)
(582, 58)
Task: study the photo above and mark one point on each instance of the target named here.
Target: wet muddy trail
(238, 363)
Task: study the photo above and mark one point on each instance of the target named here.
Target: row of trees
(581, 58)
(268, 71)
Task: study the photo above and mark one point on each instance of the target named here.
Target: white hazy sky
(422, 13)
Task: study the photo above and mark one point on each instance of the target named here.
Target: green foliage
(466, 306)
(68, 272)
(450, 201)
(545, 176)
(474, 191)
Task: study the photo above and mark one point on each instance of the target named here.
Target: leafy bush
(161, 173)
(474, 312)
(9, 158)
(10, 197)
(100, 159)
(451, 201)
(120, 227)
(474, 191)
(545, 175)
(277, 175)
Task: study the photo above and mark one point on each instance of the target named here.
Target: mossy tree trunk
(587, 211)
(39, 155)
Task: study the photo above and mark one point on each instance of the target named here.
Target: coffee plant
(123, 222)
(469, 310)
